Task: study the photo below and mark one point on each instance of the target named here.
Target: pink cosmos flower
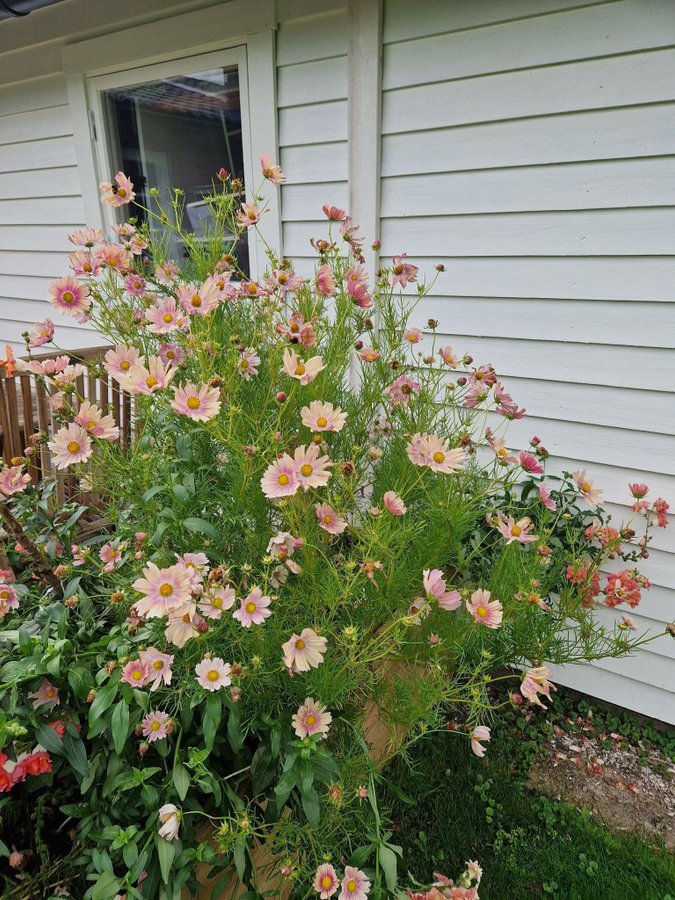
(270, 171)
(171, 355)
(412, 335)
(485, 611)
(401, 390)
(248, 215)
(403, 273)
(326, 881)
(311, 718)
(535, 682)
(167, 272)
(197, 403)
(394, 504)
(530, 463)
(87, 237)
(592, 494)
(248, 362)
(71, 444)
(110, 555)
(311, 468)
(638, 490)
(13, 480)
(120, 361)
(369, 354)
(48, 367)
(545, 496)
(627, 623)
(163, 590)
(135, 285)
(500, 449)
(253, 609)
(69, 296)
(516, 531)
(348, 233)
(320, 416)
(46, 695)
(661, 509)
(41, 334)
(333, 213)
(429, 450)
(200, 300)
(355, 885)
(169, 816)
(304, 371)
(435, 587)
(140, 380)
(118, 193)
(329, 519)
(165, 316)
(182, 627)
(91, 418)
(114, 256)
(325, 280)
(280, 478)
(304, 651)
(449, 357)
(84, 265)
(135, 673)
(159, 667)
(154, 726)
(215, 601)
(213, 674)
(480, 733)
(9, 599)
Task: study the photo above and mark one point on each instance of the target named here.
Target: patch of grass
(449, 806)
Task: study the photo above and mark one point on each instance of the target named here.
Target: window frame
(120, 59)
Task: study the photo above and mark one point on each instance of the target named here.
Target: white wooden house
(527, 144)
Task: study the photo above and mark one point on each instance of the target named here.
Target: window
(175, 130)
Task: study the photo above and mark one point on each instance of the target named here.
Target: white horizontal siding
(529, 146)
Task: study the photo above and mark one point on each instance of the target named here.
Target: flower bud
(235, 694)
(62, 570)
(281, 397)
(535, 441)
(358, 345)
(223, 174)
(461, 381)
(376, 245)
(439, 267)
(432, 323)
(143, 748)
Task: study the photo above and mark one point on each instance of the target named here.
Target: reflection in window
(178, 132)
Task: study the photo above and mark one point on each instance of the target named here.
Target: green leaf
(107, 886)
(102, 701)
(166, 853)
(181, 780)
(81, 681)
(184, 447)
(240, 859)
(310, 804)
(388, 862)
(25, 641)
(120, 726)
(49, 739)
(211, 721)
(149, 494)
(181, 493)
(200, 526)
(234, 733)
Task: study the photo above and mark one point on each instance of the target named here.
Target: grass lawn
(450, 806)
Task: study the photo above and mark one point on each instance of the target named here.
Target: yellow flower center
(212, 675)
(217, 602)
(243, 364)
(351, 885)
(502, 451)
(91, 424)
(252, 288)
(121, 193)
(322, 421)
(137, 675)
(585, 487)
(68, 297)
(157, 665)
(251, 215)
(186, 618)
(155, 726)
(300, 644)
(250, 607)
(516, 531)
(300, 369)
(327, 519)
(306, 470)
(439, 457)
(481, 611)
(283, 479)
(125, 364)
(73, 447)
(310, 720)
(283, 278)
(196, 300)
(167, 317)
(50, 693)
(193, 403)
(86, 267)
(326, 882)
(405, 389)
(166, 590)
(151, 381)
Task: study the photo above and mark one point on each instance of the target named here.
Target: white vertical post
(364, 119)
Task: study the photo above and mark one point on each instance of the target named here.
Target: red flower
(38, 763)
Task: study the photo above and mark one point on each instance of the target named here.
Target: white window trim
(247, 29)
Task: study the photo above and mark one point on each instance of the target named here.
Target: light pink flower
(627, 623)
(311, 718)
(280, 479)
(485, 611)
(592, 494)
(535, 682)
(135, 673)
(120, 361)
(369, 354)
(325, 280)
(213, 674)
(355, 885)
(159, 667)
(135, 285)
(429, 450)
(271, 171)
(9, 599)
(115, 257)
(304, 651)
(479, 733)
(329, 519)
(167, 272)
(48, 367)
(248, 215)
(163, 590)
(403, 273)
(401, 390)
(304, 371)
(71, 444)
(253, 609)
(545, 496)
(333, 213)
(110, 555)
(248, 362)
(326, 881)
(500, 449)
(91, 418)
(449, 357)
(171, 354)
(516, 531)
(46, 695)
(530, 463)
(165, 316)
(638, 490)
(311, 468)
(13, 480)
(169, 816)
(87, 237)
(140, 380)
(394, 504)
(435, 587)
(69, 296)
(182, 627)
(42, 333)
(319, 416)
(154, 726)
(200, 300)
(412, 335)
(118, 193)
(215, 601)
(198, 403)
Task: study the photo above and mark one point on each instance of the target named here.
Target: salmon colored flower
(135, 673)
(163, 590)
(325, 280)
(91, 418)
(333, 213)
(312, 469)
(42, 333)
(661, 509)
(412, 335)
(71, 444)
(182, 626)
(303, 371)
(154, 726)
(171, 355)
(319, 416)
(311, 718)
(46, 695)
(88, 237)
(13, 480)
(120, 361)
(254, 609)
(213, 674)
(516, 531)
(69, 296)
(119, 192)
(429, 450)
(165, 316)
(248, 215)
(329, 520)
(485, 611)
(304, 651)
(159, 667)
(141, 380)
(435, 588)
(530, 463)
(167, 272)
(215, 601)
(197, 403)
(280, 479)
(201, 299)
(9, 599)
(394, 504)
(449, 357)
(535, 682)
(271, 171)
(591, 493)
(369, 354)
(403, 273)
(248, 363)
(480, 733)
(401, 390)
(638, 490)
(135, 285)
(545, 496)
